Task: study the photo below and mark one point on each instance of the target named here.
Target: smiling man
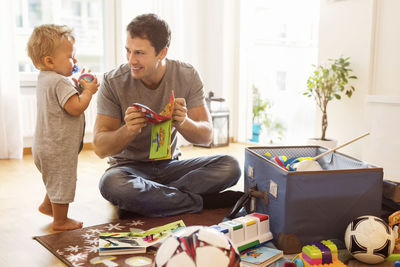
(134, 183)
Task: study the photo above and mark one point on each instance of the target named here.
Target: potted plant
(259, 106)
(328, 83)
(263, 120)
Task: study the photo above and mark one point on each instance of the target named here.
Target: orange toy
(394, 220)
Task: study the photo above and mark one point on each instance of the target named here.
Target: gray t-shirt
(120, 90)
(58, 136)
(56, 130)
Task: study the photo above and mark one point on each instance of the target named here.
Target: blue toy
(87, 77)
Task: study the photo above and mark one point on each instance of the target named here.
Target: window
(87, 19)
(278, 46)
(84, 16)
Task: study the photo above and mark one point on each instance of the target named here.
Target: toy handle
(345, 144)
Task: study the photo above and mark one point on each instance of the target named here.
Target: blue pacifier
(75, 69)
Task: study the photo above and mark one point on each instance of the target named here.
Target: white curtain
(11, 140)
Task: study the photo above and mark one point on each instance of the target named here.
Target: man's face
(64, 58)
(142, 59)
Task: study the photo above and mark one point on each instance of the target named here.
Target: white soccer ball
(197, 246)
(369, 239)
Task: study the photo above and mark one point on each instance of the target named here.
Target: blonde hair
(44, 41)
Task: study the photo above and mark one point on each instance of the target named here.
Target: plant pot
(256, 132)
(329, 143)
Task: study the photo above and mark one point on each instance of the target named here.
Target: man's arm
(110, 137)
(193, 124)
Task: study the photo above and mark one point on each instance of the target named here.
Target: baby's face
(64, 57)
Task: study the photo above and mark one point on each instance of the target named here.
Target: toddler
(60, 121)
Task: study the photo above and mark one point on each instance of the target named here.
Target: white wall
(345, 29)
(368, 32)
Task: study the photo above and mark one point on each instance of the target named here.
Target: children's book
(136, 242)
(120, 243)
(160, 147)
(260, 256)
(154, 117)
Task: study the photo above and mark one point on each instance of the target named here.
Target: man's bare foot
(67, 224)
(46, 208)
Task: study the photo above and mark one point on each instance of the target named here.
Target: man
(133, 182)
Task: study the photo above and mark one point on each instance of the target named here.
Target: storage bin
(313, 205)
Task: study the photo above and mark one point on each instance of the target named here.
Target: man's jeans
(168, 187)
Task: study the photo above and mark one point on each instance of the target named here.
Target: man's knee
(234, 166)
(109, 182)
(231, 168)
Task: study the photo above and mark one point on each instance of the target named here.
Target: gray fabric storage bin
(313, 205)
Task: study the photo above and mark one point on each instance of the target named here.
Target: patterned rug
(80, 247)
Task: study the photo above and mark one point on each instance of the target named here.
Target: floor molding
(86, 146)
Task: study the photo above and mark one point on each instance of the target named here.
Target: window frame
(111, 25)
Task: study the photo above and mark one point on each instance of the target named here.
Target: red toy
(87, 77)
(152, 116)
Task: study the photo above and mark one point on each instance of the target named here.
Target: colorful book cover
(155, 118)
(120, 243)
(260, 256)
(157, 234)
(160, 147)
(136, 242)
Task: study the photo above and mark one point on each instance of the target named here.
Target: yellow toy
(394, 221)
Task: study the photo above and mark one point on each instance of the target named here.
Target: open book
(136, 242)
(160, 147)
(154, 117)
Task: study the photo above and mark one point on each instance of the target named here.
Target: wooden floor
(22, 190)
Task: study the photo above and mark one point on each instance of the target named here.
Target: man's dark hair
(152, 28)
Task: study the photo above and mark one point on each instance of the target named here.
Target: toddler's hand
(90, 86)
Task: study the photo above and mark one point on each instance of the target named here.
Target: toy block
(221, 229)
(333, 248)
(236, 231)
(322, 253)
(250, 227)
(264, 233)
(335, 263)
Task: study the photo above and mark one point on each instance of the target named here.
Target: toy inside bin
(332, 161)
(312, 205)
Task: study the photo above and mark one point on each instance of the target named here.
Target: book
(154, 117)
(136, 242)
(160, 146)
(120, 243)
(260, 256)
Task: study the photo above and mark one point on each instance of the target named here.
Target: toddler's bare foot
(67, 224)
(46, 208)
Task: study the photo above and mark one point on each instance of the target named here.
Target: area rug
(80, 247)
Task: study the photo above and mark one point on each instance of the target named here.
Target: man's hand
(179, 113)
(135, 120)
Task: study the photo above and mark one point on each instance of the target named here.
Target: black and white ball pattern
(197, 246)
(369, 239)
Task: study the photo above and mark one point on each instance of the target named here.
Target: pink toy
(87, 77)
